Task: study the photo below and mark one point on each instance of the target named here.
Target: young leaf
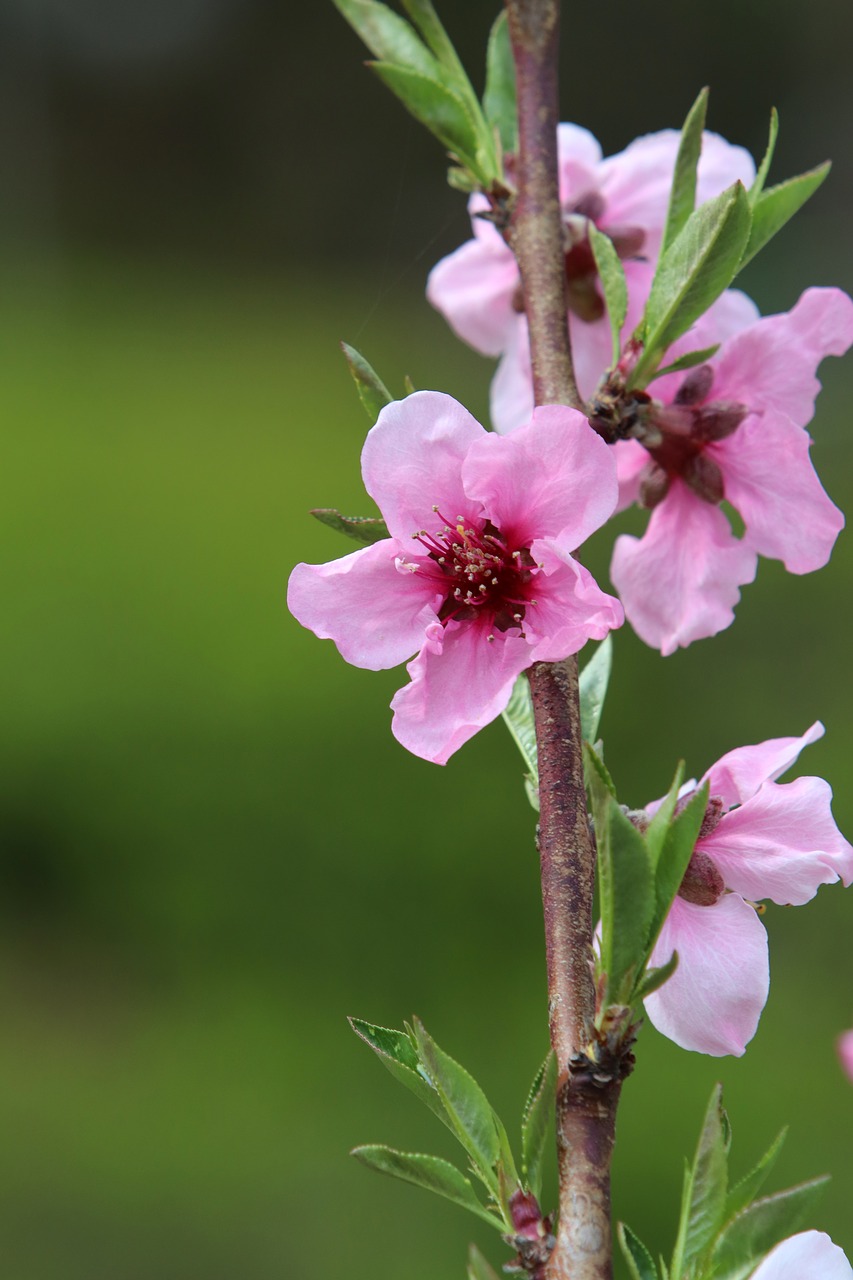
(776, 206)
(659, 825)
(388, 36)
(709, 1182)
(675, 1265)
(612, 276)
(499, 99)
(696, 268)
(397, 1055)
(535, 1123)
(518, 717)
(429, 1172)
(425, 18)
(372, 392)
(756, 1230)
(592, 688)
(689, 360)
(764, 168)
(636, 1255)
(682, 199)
(466, 1105)
(595, 771)
(365, 529)
(675, 854)
(652, 979)
(745, 1191)
(478, 1268)
(441, 109)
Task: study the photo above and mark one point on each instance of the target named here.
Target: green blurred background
(212, 848)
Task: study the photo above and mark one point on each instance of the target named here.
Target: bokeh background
(212, 849)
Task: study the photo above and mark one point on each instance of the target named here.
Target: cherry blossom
(478, 289)
(477, 578)
(759, 839)
(811, 1255)
(733, 428)
(845, 1052)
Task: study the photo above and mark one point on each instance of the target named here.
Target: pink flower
(733, 429)
(811, 1255)
(845, 1052)
(759, 839)
(478, 288)
(477, 577)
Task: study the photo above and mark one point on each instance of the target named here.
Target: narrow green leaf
(595, 771)
(499, 99)
(425, 18)
(758, 1229)
(508, 1179)
(408, 386)
(372, 392)
(697, 267)
(682, 199)
(592, 688)
(429, 1172)
(442, 111)
(676, 851)
(535, 1123)
(478, 1268)
(652, 979)
(398, 1056)
(471, 1116)
(764, 168)
(659, 825)
(366, 529)
(640, 1262)
(675, 1266)
(518, 718)
(388, 36)
(689, 360)
(777, 205)
(745, 1191)
(612, 276)
(709, 1182)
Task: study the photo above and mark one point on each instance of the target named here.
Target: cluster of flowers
(478, 577)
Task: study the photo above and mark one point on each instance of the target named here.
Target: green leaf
(612, 276)
(592, 688)
(467, 1107)
(442, 111)
(682, 199)
(776, 206)
(366, 529)
(764, 168)
(388, 36)
(478, 1268)
(659, 825)
(689, 360)
(675, 854)
(518, 718)
(745, 1191)
(626, 891)
(758, 1229)
(708, 1183)
(499, 99)
(652, 979)
(535, 1123)
(595, 770)
(397, 1054)
(636, 1255)
(408, 386)
(696, 268)
(372, 392)
(429, 1172)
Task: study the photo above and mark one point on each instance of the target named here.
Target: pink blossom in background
(735, 429)
(811, 1255)
(478, 289)
(477, 578)
(845, 1052)
(759, 839)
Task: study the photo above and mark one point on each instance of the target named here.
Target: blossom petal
(770, 480)
(771, 365)
(737, 775)
(807, 1256)
(781, 844)
(681, 581)
(578, 158)
(375, 613)
(713, 1001)
(459, 683)
(473, 289)
(412, 461)
(733, 312)
(631, 461)
(553, 477)
(845, 1052)
(570, 606)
